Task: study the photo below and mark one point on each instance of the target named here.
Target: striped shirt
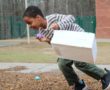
(65, 22)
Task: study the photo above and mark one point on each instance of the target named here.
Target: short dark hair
(32, 11)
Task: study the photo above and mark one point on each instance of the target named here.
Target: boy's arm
(61, 22)
(66, 22)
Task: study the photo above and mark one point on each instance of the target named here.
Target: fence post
(27, 27)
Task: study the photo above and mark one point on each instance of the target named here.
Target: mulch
(11, 80)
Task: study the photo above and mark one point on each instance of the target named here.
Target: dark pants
(92, 70)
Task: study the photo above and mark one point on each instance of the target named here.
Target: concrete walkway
(103, 40)
(30, 67)
(4, 43)
(37, 67)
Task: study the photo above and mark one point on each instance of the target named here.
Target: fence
(12, 26)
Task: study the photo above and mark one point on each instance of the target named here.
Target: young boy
(35, 19)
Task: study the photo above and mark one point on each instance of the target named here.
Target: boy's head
(33, 16)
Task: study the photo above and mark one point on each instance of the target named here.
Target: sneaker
(106, 81)
(81, 86)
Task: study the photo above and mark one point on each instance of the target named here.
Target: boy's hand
(42, 38)
(55, 26)
(39, 36)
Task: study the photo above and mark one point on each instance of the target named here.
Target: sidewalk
(103, 40)
(37, 67)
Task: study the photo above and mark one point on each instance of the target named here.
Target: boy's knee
(64, 63)
(61, 65)
(80, 64)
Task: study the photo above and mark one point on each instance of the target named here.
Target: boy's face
(35, 22)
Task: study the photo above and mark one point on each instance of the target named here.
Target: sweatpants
(92, 70)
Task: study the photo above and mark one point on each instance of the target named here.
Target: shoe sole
(108, 88)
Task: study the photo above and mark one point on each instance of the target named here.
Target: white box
(79, 46)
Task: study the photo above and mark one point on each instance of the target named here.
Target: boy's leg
(95, 72)
(66, 68)
(90, 69)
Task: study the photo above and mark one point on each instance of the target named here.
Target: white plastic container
(80, 46)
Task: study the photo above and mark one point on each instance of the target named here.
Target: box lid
(73, 38)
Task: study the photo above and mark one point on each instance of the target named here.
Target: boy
(35, 19)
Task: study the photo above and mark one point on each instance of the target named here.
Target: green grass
(27, 53)
(103, 43)
(42, 53)
(26, 57)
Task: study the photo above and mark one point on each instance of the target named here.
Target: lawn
(43, 53)
(23, 52)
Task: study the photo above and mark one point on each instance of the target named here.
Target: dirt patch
(49, 81)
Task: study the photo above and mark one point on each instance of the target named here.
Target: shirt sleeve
(66, 22)
(47, 33)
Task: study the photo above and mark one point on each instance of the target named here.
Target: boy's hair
(33, 11)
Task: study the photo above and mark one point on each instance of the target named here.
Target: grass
(103, 55)
(25, 57)
(34, 52)
(43, 53)
(103, 43)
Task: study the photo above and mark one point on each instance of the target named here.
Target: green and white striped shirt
(65, 22)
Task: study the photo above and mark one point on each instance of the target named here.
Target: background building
(103, 18)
